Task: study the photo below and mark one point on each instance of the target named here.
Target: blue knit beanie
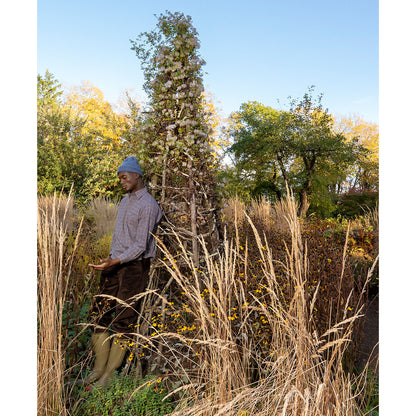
(130, 164)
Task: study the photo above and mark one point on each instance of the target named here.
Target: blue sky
(264, 50)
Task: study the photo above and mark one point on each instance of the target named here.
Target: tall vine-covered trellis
(175, 138)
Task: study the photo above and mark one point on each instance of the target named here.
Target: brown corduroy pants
(119, 283)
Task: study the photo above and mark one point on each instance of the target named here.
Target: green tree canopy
(297, 148)
(53, 128)
(80, 141)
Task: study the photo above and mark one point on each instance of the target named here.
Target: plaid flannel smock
(137, 219)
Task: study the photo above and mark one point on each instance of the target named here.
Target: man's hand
(105, 263)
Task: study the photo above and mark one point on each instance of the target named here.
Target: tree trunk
(283, 170)
(304, 203)
(303, 193)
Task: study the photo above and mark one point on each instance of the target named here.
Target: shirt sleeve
(149, 217)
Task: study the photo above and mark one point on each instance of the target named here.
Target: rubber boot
(115, 359)
(101, 346)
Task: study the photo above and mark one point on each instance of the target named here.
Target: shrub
(324, 244)
(125, 396)
(353, 204)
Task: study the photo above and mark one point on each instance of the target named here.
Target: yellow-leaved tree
(215, 121)
(363, 175)
(100, 141)
(102, 125)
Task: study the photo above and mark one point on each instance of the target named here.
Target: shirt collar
(138, 193)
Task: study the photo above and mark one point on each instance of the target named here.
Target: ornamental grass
(266, 325)
(54, 222)
(235, 348)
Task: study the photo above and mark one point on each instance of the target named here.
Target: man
(124, 273)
